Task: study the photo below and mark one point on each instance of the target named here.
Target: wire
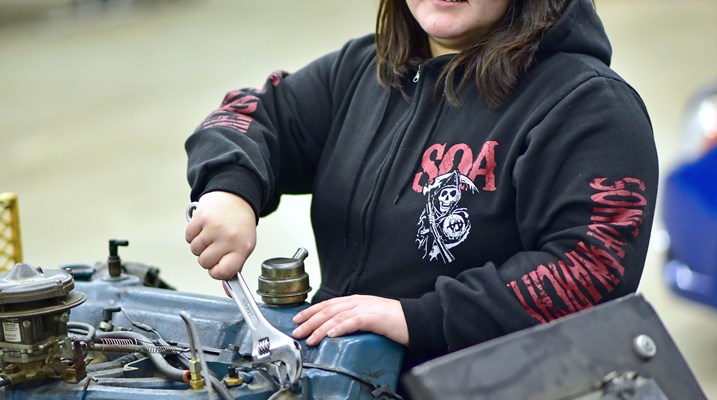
(377, 390)
(196, 349)
(142, 326)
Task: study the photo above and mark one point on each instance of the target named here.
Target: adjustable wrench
(272, 350)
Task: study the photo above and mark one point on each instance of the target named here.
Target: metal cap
(283, 281)
(26, 283)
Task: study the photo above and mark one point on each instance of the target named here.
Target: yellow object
(196, 381)
(10, 244)
(231, 382)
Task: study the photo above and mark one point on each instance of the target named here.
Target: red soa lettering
(437, 161)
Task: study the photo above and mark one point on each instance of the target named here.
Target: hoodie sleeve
(263, 142)
(586, 184)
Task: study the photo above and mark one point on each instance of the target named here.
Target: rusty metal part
(283, 281)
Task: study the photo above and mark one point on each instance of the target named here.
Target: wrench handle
(243, 298)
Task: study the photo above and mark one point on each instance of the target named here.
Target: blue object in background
(690, 216)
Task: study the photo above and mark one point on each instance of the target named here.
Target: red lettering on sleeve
(593, 269)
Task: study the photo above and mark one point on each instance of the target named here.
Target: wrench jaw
(283, 362)
(294, 369)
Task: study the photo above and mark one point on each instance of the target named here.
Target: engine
(115, 330)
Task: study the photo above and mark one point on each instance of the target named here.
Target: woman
(476, 168)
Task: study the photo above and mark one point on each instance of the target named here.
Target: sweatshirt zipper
(383, 168)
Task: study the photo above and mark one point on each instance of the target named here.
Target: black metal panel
(564, 359)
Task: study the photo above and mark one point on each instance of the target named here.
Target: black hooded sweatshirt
(480, 221)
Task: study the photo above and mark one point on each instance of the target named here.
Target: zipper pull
(418, 75)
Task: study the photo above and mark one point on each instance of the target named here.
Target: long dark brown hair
(495, 61)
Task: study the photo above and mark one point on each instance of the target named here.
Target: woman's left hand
(343, 315)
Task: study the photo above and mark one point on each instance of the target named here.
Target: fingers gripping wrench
(271, 349)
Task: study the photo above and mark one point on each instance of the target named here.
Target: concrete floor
(97, 102)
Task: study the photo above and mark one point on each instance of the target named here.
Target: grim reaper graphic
(442, 224)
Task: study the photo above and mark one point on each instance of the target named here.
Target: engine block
(128, 335)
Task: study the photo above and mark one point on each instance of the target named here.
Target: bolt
(233, 377)
(644, 346)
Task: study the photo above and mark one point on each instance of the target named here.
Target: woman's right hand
(222, 233)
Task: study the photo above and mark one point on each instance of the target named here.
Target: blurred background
(97, 98)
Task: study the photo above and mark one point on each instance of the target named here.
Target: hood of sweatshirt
(579, 31)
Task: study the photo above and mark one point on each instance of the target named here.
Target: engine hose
(163, 366)
(218, 386)
(83, 326)
(158, 360)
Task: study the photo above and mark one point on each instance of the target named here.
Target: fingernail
(297, 332)
(296, 317)
(331, 332)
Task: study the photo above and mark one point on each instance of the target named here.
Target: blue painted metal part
(690, 215)
(339, 368)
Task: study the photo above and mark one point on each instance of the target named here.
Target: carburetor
(34, 311)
